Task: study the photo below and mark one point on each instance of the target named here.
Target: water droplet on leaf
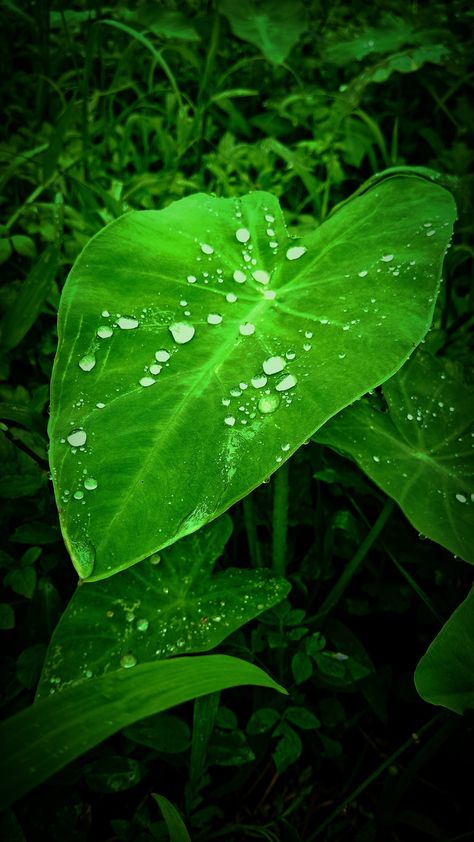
(87, 362)
(182, 332)
(295, 252)
(77, 438)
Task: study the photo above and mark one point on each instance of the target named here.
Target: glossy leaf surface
(445, 674)
(42, 739)
(155, 610)
(200, 346)
(421, 452)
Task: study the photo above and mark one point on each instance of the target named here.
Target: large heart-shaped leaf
(274, 28)
(445, 674)
(155, 610)
(421, 451)
(200, 346)
(42, 739)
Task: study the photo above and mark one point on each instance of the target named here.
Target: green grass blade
(41, 740)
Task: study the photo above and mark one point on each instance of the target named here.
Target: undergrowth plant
(260, 412)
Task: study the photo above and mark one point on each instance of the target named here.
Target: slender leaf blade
(42, 739)
(141, 456)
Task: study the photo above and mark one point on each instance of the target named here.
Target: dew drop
(87, 362)
(387, 258)
(269, 218)
(182, 332)
(239, 276)
(155, 369)
(363, 273)
(104, 332)
(231, 298)
(287, 383)
(242, 235)
(78, 495)
(128, 661)
(214, 319)
(147, 381)
(269, 293)
(273, 365)
(90, 483)
(77, 438)
(127, 322)
(191, 279)
(247, 329)
(162, 356)
(295, 252)
(229, 420)
(142, 625)
(100, 405)
(268, 404)
(259, 382)
(105, 314)
(461, 498)
(285, 447)
(261, 276)
(206, 249)
(376, 458)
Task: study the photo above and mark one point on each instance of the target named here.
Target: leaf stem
(251, 530)
(337, 591)
(280, 519)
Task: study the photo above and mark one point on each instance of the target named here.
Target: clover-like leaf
(200, 345)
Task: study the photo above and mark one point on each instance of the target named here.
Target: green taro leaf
(420, 452)
(156, 610)
(445, 674)
(45, 737)
(200, 346)
(274, 28)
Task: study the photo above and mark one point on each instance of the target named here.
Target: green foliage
(445, 674)
(418, 448)
(42, 739)
(115, 110)
(117, 425)
(163, 607)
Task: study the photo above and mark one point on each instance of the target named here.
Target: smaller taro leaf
(200, 346)
(389, 36)
(274, 28)
(445, 674)
(420, 452)
(153, 611)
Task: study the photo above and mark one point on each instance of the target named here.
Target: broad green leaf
(155, 610)
(274, 28)
(420, 452)
(24, 311)
(389, 35)
(445, 674)
(42, 739)
(200, 346)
